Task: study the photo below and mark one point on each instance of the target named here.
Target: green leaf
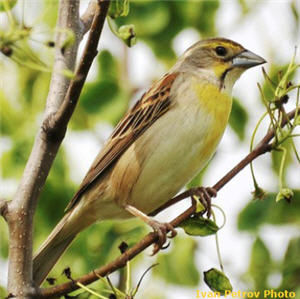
(260, 264)
(107, 66)
(206, 22)
(97, 94)
(217, 281)
(199, 15)
(148, 17)
(285, 193)
(57, 191)
(291, 265)
(178, 266)
(267, 211)
(127, 34)
(255, 214)
(7, 4)
(105, 99)
(199, 226)
(8, 116)
(118, 8)
(13, 161)
(238, 118)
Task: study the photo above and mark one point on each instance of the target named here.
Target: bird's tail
(51, 250)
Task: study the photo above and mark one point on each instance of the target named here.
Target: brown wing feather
(145, 112)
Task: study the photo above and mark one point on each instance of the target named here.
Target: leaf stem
(251, 148)
(128, 280)
(223, 214)
(281, 169)
(218, 245)
(89, 290)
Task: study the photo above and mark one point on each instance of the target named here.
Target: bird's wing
(141, 116)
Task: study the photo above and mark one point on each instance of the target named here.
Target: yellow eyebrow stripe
(232, 46)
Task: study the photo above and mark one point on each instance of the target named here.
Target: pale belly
(166, 157)
(173, 162)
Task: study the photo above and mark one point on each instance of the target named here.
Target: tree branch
(62, 99)
(55, 125)
(68, 23)
(119, 262)
(21, 209)
(88, 16)
(262, 147)
(3, 207)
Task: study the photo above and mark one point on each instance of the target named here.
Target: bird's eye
(221, 51)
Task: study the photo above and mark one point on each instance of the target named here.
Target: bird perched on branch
(165, 139)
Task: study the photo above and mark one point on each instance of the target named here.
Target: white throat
(231, 77)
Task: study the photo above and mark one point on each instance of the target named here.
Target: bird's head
(220, 59)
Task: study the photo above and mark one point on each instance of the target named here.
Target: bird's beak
(247, 59)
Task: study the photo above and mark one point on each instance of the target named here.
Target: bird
(160, 144)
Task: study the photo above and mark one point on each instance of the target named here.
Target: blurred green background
(260, 243)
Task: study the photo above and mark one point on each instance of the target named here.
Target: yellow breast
(218, 105)
(214, 101)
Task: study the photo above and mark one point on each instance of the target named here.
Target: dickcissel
(165, 139)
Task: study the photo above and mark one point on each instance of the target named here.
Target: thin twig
(263, 147)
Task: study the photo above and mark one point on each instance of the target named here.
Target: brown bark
(61, 102)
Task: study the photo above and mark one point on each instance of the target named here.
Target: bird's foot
(205, 194)
(162, 230)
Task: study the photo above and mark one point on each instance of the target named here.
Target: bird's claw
(205, 194)
(162, 230)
